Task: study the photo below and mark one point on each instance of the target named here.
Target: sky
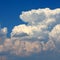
(29, 29)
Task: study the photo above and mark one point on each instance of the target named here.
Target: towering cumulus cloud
(41, 33)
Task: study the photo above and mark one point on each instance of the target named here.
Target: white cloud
(42, 33)
(3, 33)
(26, 47)
(34, 17)
(40, 24)
(54, 35)
(4, 30)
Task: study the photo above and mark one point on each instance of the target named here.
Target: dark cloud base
(40, 56)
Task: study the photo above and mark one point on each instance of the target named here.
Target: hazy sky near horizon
(30, 30)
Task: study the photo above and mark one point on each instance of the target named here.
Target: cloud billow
(42, 33)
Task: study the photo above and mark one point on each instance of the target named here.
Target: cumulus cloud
(41, 33)
(3, 33)
(41, 15)
(55, 36)
(3, 58)
(26, 47)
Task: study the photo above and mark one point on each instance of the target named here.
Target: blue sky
(11, 9)
(11, 15)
